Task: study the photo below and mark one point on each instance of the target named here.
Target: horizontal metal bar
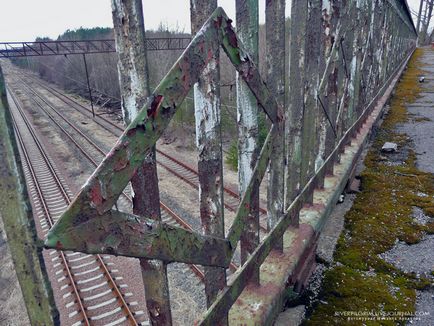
(124, 234)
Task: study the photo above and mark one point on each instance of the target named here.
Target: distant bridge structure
(48, 48)
(51, 48)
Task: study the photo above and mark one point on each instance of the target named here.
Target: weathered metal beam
(355, 71)
(328, 88)
(309, 134)
(208, 141)
(275, 67)
(297, 60)
(16, 214)
(328, 50)
(129, 30)
(237, 228)
(419, 16)
(124, 234)
(247, 24)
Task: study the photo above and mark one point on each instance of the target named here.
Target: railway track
(168, 162)
(95, 154)
(88, 284)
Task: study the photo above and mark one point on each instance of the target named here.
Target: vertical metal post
(88, 84)
(16, 214)
(419, 16)
(354, 87)
(323, 112)
(275, 61)
(344, 77)
(297, 58)
(129, 33)
(247, 23)
(309, 133)
(331, 16)
(208, 139)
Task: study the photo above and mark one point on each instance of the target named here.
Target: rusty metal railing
(335, 96)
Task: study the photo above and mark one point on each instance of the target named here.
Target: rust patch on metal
(232, 37)
(96, 195)
(155, 106)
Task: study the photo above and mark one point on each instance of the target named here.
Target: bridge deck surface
(414, 125)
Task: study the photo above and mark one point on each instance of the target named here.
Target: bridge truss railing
(340, 74)
(69, 47)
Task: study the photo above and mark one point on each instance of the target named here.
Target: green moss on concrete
(18, 222)
(381, 214)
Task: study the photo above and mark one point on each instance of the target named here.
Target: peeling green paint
(16, 214)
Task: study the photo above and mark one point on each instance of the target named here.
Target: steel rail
(47, 215)
(106, 272)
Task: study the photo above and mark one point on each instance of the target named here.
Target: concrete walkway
(419, 258)
(421, 128)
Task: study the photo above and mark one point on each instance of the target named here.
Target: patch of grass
(263, 128)
(381, 214)
(232, 155)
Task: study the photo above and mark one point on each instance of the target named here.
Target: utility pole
(88, 84)
(297, 79)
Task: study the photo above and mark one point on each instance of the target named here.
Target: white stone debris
(389, 147)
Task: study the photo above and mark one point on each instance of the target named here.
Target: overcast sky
(24, 20)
